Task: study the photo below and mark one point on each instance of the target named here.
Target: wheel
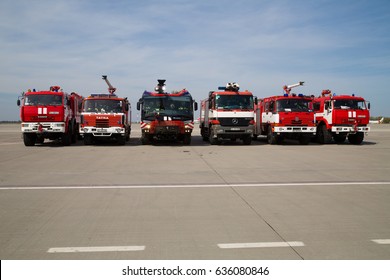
(187, 139)
(121, 140)
(29, 139)
(339, 139)
(212, 140)
(66, 138)
(247, 140)
(74, 133)
(323, 135)
(40, 140)
(271, 137)
(356, 139)
(145, 139)
(87, 139)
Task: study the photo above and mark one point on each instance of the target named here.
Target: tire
(121, 140)
(187, 139)
(271, 137)
(29, 139)
(66, 138)
(212, 140)
(323, 135)
(145, 140)
(356, 139)
(87, 139)
(247, 140)
(74, 133)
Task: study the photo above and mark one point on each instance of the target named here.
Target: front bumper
(295, 129)
(102, 131)
(232, 131)
(350, 129)
(53, 127)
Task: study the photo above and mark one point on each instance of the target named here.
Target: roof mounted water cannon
(160, 88)
(326, 92)
(230, 87)
(111, 89)
(287, 89)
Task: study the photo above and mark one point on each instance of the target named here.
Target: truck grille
(102, 123)
(234, 121)
(167, 130)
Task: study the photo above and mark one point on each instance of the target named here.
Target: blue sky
(199, 45)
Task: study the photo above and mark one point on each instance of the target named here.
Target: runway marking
(381, 241)
(95, 249)
(194, 186)
(261, 245)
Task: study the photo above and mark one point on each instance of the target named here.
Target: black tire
(187, 139)
(271, 137)
(121, 140)
(145, 139)
(88, 139)
(212, 140)
(247, 140)
(66, 138)
(324, 136)
(29, 139)
(356, 139)
(74, 133)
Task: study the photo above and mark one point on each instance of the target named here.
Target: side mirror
(369, 105)
(256, 101)
(138, 106)
(18, 102)
(196, 106)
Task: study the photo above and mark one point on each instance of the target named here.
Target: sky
(199, 45)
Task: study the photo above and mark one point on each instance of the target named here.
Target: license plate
(235, 128)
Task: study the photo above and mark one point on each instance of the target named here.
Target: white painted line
(381, 241)
(261, 245)
(195, 186)
(95, 249)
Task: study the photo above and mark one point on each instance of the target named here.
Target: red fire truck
(227, 114)
(341, 116)
(286, 116)
(51, 114)
(166, 116)
(106, 116)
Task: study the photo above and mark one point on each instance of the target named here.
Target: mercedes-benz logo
(235, 121)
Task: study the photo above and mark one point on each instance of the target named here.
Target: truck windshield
(292, 105)
(349, 104)
(102, 106)
(176, 107)
(43, 99)
(236, 101)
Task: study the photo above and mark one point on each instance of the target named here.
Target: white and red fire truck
(341, 116)
(227, 114)
(51, 114)
(286, 116)
(166, 116)
(106, 116)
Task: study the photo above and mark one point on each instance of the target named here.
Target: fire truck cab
(286, 116)
(166, 116)
(51, 114)
(227, 114)
(341, 117)
(106, 116)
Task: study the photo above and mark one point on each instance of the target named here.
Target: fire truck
(51, 114)
(106, 116)
(286, 116)
(166, 116)
(341, 116)
(227, 114)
